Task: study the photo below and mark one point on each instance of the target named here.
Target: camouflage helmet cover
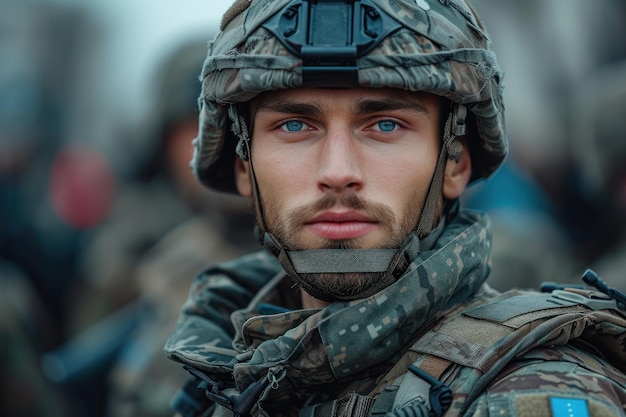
(438, 46)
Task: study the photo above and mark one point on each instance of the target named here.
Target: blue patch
(569, 407)
(268, 309)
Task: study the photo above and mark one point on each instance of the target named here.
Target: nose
(339, 166)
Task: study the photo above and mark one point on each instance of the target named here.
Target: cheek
(406, 195)
(274, 172)
(404, 186)
(280, 178)
(282, 162)
(403, 175)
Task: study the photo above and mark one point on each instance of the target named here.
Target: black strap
(190, 401)
(318, 261)
(353, 405)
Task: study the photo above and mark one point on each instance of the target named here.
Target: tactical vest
(477, 344)
(483, 340)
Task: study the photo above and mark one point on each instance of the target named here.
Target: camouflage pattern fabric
(350, 347)
(525, 341)
(345, 346)
(526, 386)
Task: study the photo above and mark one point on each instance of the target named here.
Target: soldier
(599, 147)
(217, 227)
(355, 127)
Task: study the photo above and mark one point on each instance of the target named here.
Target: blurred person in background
(43, 217)
(536, 191)
(598, 139)
(568, 40)
(521, 210)
(35, 96)
(163, 229)
(25, 324)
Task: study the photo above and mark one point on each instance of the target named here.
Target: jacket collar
(364, 337)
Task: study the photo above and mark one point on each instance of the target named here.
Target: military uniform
(427, 336)
(315, 356)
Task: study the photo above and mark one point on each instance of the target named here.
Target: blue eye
(293, 125)
(387, 125)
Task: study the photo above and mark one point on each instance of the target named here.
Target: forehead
(322, 98)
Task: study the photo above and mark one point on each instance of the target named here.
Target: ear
(457, 174)
(242, 177)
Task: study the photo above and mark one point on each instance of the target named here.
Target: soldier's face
(342, 167)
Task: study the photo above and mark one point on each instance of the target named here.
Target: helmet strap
(450, 149)
(389, 262)
(241, 131)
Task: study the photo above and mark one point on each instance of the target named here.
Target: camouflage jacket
(242, 330)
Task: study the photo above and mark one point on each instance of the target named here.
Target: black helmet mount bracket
(329, 36)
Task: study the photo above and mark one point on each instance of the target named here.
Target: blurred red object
(82, 186)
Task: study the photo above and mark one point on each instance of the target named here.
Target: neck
(308, 301)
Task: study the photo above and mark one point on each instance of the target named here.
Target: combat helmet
(433, 46)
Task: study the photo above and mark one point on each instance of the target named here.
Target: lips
(341, 225)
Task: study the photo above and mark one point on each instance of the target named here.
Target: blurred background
(102, 226)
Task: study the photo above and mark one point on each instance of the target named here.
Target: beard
(288, 229)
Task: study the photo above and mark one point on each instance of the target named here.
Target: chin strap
(392, 263)
(389, 262)
(320, 261)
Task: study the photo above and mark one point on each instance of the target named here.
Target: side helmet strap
(486, 339)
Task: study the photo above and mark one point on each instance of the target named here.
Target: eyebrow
(368, 106)
(289, 107)
(364, 106)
